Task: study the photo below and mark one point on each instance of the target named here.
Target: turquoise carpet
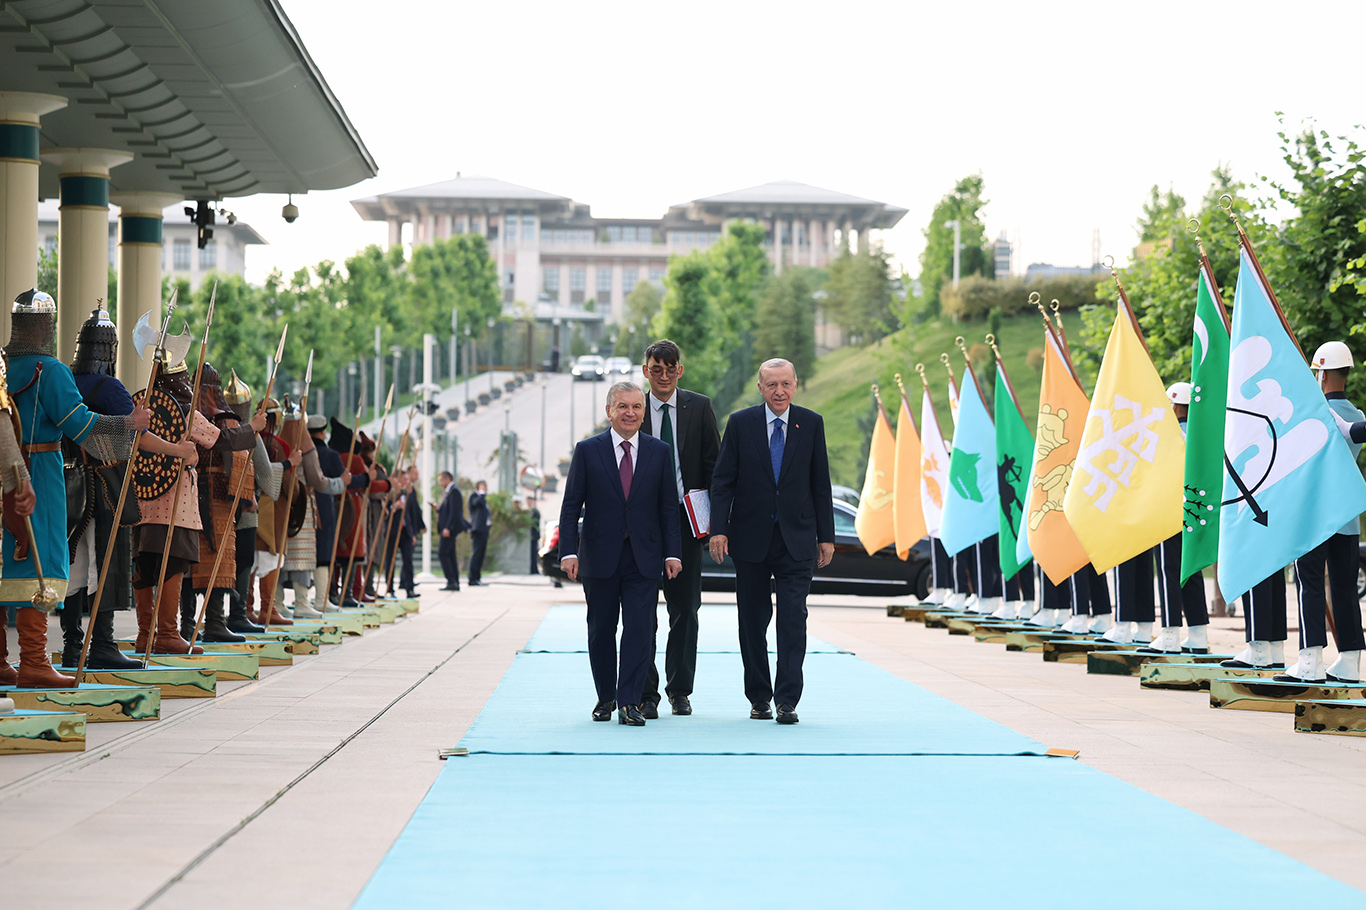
(565, 629)
(885, 795)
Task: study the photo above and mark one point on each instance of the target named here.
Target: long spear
(382, 539)
(242, 475)
(289, 500)
(123, 495)
(178, 472)
(388, 404)
(336, 534)
(387, 565)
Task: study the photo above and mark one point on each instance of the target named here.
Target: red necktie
(625, 469)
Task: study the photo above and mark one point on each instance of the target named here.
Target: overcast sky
(1071, 111)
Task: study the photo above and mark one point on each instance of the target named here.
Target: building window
(656, 273)
(528, 228)
(604, 283)
(50, 245)
(630, 233)
(113, 248)
(550, 280)
(208, 256)
(578, 281)
(629, 279)
(509, 285)
(180, 256)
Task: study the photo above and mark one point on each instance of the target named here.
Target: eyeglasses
(665, 372)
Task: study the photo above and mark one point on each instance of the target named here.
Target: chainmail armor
(32, 333)
(111, 439)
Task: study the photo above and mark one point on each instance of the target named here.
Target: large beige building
(553, 254)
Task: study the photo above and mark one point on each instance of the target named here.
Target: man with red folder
(686, 423)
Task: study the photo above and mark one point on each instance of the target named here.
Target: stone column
(777, 246)
(19, 113)
(83, 236)
(395, 232)
(140, 254)
(812, 227)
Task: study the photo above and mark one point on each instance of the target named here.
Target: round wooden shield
(154, 474)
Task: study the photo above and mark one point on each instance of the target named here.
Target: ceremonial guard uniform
(1134, 603)
(93, 489)
(351, 542)
(234, 445)
(243, 474)
(161, 532)
(1088, 594)
(301, 553)
(48, 406)
(272, 521)
(1174, 597)
(1339, 553)
(377, 495)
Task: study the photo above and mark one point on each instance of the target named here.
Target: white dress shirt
(770, 417)
(657, 421)
(617, 440)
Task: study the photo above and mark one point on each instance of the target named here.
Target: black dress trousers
(791, 577)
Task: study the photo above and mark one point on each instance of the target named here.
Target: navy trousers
(1134, 592)
(632, 597)
(1175, 597)
(791, 578)
(1088, 592)
(1264, 607)
(1339, 554)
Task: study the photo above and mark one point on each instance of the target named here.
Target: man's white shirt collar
(770, 416)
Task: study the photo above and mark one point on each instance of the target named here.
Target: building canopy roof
(213, 99)
(451, 193)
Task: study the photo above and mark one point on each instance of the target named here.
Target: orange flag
(1062, 417)
(908, 518)
(873, 521)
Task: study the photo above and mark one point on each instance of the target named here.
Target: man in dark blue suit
(623, 482)
(450, 521)
(771, 511)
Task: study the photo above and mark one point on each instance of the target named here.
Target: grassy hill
(840, 388)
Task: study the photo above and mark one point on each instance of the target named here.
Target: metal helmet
(34, 301)
(169, 364)
(236, 391)
(33, 324)
(1332, 355)
(1179, 393)
(97, 344)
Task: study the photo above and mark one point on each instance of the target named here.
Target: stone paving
(288, 791)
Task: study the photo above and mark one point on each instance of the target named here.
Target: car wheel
(922, 583)
(1361, 579)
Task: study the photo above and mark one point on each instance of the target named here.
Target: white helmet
(1179, 393)
(1332, 355)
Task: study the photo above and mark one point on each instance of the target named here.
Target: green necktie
(666, 433)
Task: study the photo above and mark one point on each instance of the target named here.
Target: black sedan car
(852, 571)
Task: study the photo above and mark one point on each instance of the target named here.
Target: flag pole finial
(900, 385)
(963, 346)
(991, 342)
(920, 368)
(1226, 203)
(1193, 226)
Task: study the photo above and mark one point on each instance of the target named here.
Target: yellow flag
(873, 523)
(907, 516)
(1062, 415)
(1126, 491)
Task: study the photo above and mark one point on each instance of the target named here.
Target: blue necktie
(775, 449)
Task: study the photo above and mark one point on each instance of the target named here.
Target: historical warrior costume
(351, 541)
(48, 405)
(93, 489)
(234, 445)
(272, 520)
(262, 480)
(160, 530)
(301, 553)
(377, 499)
(330, 470)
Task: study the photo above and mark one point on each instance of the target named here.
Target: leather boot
(142, 604)
(34, 670)
(269, 616)
(215, 630)
(187, 611)
(73, 639)
(104, 654)
(303, 601)
(8, 676)
(237, 615)
(320, 599)
(357, 587)
(168, 640)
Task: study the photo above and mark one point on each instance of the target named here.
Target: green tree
(859, 294)
(688, 318)
(642, 305)
(785, 324)
(1164, 215)
(964, 205)
(738, 266)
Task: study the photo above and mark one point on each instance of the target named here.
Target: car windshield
(589, 360)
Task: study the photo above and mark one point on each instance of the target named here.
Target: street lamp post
(467, 369)
(455, 331)
(490, 327)
(597, 375)
(397, 351)
(957, 246)
(545, 386)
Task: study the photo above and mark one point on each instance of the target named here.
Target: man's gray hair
(621, 387)
(777, 363)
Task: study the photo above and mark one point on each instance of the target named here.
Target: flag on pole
(1062, 416)
(934, 466)
(1014, 448)
(873, 522)
(1290, 481)
(1204, 483)
(908, 519)
(954, 400)
(1125, 496)
(970, 507)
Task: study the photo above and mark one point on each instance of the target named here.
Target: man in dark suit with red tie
(772, 512)
(622, 481)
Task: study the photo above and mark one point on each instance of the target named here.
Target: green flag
(1014, 450)
(1205, 431)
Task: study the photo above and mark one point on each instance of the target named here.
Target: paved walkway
(289, 791)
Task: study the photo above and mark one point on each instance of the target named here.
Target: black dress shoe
(787, 714)
(681, 706)
(649, 710)
(603, 710)
(630, 715)
(759, 710)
